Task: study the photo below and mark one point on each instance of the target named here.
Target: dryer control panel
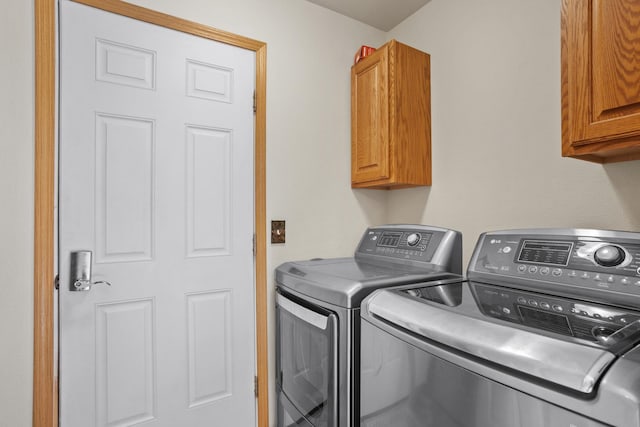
(413, 244)
(598, 263)
(401, 242)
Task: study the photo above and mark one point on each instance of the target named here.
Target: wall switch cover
(277, 231)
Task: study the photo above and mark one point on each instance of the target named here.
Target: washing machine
(544, 332)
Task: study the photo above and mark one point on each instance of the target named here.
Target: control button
(533, 303)
(544, 271)
(505, 310)
(413, 239)
(610, 279)
(597, 316)
(637, 283)
(575, 310)
(557, 307)
(573, 273)
(584, 313)
(545, 305)
(585, 275)
(533, 269)
(522, 268)
(522, 300)
(597, 278)
(609, 256)
(623, 320)
(557, 272)
(601, 333)
(625, 281)
(506, 249)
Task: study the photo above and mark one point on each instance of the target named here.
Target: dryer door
(306, 362)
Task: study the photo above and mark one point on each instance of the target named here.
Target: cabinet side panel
(411, 116)
(577, 29)
(567, 149)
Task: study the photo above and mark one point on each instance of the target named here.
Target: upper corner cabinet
(391, 118)
(600, 57)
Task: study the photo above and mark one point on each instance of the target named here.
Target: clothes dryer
(318, 317)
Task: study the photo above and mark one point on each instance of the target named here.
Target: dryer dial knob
(609, 256)
(413, 239)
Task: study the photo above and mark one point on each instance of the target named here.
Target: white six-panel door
(156, 179)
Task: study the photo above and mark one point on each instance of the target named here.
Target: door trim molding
(45, 397)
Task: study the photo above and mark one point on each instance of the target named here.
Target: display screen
(545, 252)
(390, 239)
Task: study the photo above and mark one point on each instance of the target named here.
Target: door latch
(80, 272)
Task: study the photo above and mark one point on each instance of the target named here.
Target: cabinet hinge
(56, 282)
(255, 106)
(255, 249)
(255, 386)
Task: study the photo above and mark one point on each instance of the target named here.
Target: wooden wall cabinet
(391, 119)
(600, 57)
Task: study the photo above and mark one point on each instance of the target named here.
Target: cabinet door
(601, 78)
(370, 118)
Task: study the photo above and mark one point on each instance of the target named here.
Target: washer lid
(345, 282)
(563, 341)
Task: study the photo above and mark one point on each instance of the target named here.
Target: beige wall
(495, 106)
(16, 212)
(496, 140)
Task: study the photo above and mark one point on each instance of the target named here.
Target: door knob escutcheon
(80, 272)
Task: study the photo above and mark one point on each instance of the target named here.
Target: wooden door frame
(45, 396)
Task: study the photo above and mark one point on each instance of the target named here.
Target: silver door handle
(80, 272)
(302, 313)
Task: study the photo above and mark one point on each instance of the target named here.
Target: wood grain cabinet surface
(600, 51)
(391, 118)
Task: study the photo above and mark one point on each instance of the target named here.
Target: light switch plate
(278, 231)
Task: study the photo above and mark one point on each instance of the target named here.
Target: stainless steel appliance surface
(318, 317)
(544, 332)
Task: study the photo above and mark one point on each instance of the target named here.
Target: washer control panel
(593, 262)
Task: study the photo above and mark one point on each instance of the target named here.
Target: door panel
(208, 210)
(125, 368)
(124, 178)
(156, 179)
